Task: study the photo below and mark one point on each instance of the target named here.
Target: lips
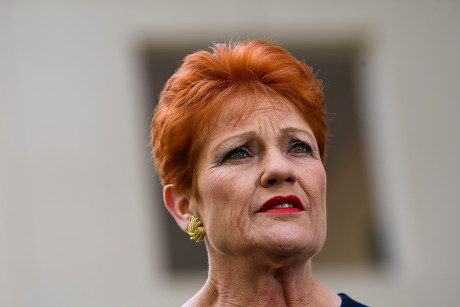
(282, 204)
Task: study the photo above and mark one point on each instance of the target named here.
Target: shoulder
(348, 302)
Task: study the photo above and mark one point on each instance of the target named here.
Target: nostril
(271, 181)
(289, 179)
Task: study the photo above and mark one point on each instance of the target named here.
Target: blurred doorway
(351, 236)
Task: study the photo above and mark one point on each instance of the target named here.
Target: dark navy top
(348, 302)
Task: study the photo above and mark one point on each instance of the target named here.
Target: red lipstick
(282, 204)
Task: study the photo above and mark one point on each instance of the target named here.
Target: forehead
(241, 110)
(256, 114)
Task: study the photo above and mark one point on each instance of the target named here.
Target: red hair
(193, 96)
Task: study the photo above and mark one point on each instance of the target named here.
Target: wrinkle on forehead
(242, 109)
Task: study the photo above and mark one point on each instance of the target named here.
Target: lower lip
(282, 210)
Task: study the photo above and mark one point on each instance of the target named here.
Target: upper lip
(278, 200)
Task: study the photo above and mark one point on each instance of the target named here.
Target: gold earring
(195, 230)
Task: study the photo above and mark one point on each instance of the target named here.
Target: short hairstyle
(193, 96)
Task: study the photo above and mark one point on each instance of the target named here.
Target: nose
(276, 170)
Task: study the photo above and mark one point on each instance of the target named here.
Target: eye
(300, 147)
(237, 154)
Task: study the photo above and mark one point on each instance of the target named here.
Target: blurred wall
(77, 226)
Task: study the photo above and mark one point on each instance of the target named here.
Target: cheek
(316, 180)
(320, 175)
(224, 202)
(222, 190)
(214, 188)
(225, 198)
(321, 180)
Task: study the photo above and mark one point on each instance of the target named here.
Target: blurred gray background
(81, 217)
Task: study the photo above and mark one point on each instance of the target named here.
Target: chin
(286, 245)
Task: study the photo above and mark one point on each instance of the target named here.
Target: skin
(258, 259)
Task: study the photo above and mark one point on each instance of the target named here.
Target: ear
(178, 205)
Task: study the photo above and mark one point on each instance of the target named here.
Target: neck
(252, 281)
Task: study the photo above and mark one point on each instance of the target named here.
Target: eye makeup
(235, 154)
(239, 147)
(238, 153)
(298, 146)
(234, 145)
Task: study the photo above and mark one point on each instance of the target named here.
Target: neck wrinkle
(245, 281)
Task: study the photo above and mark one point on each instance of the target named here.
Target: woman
(239, 142)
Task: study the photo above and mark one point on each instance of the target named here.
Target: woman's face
(262, 184)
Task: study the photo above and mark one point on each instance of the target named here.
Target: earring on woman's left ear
(195, 230)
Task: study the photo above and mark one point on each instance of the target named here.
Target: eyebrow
(252, 134)
(242, 136)
(289, 130)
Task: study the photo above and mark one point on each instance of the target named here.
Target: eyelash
(235, 151)
(231, 155)
(305, 145)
